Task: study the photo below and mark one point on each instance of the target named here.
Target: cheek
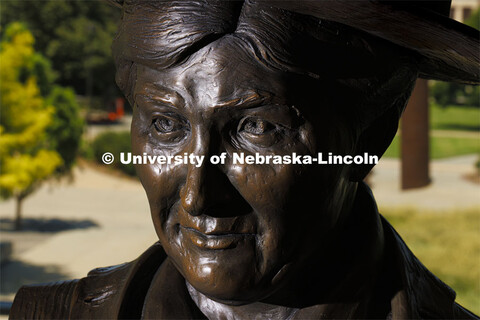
(264, 187)
(267, 189)
(291, 201)
(161, 182)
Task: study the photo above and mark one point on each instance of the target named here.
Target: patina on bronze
(268, 241)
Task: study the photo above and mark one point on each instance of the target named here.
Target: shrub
(86, 150)
(115, 143)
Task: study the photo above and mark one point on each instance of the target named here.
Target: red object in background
(112, 116)
(105, 117)
(119, 110)
(119, 107)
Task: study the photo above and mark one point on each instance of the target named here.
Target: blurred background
(63, 213)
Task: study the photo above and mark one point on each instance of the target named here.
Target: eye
(256, 126)
(164, 125)
(169, 128)
(253, 131)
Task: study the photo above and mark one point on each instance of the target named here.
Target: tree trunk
(18, 212)
(415, 139)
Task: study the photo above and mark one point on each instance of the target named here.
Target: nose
(207, 189)
(196, 193)
(193, 193)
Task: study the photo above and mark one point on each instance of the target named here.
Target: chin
(231, 278)
(236, 296)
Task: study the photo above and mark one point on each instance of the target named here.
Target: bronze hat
(448, 50)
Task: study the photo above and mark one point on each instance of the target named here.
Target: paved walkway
(118, 210)
(449, 188)
(117, 206)
(455, 134)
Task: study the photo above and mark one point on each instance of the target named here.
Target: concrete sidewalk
(449, 189)
(119, 209)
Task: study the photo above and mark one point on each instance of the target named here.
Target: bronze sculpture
(269, 241)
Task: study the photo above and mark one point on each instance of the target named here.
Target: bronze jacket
(122, 291)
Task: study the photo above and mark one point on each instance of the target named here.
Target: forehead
(224, 72)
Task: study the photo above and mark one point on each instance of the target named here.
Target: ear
(375, 140)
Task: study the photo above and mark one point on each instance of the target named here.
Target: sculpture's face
(236, 232)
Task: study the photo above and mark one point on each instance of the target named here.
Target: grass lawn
(448, 244)
(450, 118)
(454, 118)
(440, 147)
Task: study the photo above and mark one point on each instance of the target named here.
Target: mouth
(214, 240)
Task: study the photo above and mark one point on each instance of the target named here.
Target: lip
(214, 240)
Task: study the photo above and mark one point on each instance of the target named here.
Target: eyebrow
(252, 99)
(159, 93)
(156, 99)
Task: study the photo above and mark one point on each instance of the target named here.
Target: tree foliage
(66, 128)
(40, 126)
(75, 35)
(25, 155)
(446, 93)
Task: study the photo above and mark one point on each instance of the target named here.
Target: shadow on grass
(15, 274)
(46, 225)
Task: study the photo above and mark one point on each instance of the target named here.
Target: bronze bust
(269, 241)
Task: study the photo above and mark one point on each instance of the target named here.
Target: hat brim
(450, 50)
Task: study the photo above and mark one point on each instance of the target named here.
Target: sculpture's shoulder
(45, 301)
(106, 293)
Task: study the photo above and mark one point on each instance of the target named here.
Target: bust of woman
(271, 240)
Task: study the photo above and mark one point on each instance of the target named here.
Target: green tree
(26, 156)
(449, 93)
(75, 35)
(65, 130)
